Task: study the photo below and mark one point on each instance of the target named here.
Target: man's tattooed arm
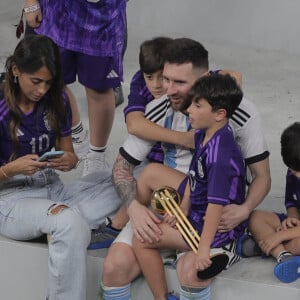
(123, 180)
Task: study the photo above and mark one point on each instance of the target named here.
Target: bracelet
(4, 174)
(31, 8)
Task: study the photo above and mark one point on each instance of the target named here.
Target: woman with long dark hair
(35, 117)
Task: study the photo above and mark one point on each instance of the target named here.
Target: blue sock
(187, 293)
(115, 293)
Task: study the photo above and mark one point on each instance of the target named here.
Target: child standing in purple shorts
(90, 35)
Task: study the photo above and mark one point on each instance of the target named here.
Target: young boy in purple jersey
(35, 117)
(277, 234)
(146, 85)
(216, 178)
(90, 34)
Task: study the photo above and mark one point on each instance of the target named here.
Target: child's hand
(203, 258)
(290, 223)
(171, 220)
(270, 242)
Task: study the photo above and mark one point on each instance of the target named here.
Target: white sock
(78, 132)
(282, 255)
(97, 149)
(117, 293)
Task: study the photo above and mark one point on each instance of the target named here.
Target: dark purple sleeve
(292, 191)
(139, 94)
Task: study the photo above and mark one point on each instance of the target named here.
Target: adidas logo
(20, 133)
(112, 74)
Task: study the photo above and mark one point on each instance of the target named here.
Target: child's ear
(221, 115)
(15, 70)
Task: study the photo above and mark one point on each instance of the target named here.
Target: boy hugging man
(216, 178)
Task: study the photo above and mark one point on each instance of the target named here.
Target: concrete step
(23, 275)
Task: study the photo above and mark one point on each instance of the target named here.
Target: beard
(181, 106)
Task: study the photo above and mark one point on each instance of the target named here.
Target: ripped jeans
(27, 210)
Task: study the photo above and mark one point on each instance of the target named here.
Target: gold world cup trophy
(156, 199)
(167, 200)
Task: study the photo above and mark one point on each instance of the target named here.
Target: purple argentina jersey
(138, 98)
(292, 191)
(216, 175)
(95, 29)
(139, 95)
(34, 134)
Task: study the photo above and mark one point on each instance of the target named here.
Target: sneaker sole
(289, 270)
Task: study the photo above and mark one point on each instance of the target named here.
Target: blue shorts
(95, 72)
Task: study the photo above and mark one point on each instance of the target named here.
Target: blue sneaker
(103, 236)
(288, 270)
(247, 246)
(172, 297)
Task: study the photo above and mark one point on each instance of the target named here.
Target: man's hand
(232, 216)
(143, 222)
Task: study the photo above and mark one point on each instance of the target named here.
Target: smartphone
(50, 154)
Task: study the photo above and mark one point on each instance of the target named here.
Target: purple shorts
(182, 186)
(281, 216)
(95, 72)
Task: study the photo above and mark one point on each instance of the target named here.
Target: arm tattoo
(123, 180)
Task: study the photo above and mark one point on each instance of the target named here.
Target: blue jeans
(24, 214)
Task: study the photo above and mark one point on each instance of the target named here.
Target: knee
(187, 273)
(70, 225)
(189, 278)
(149, 172)
(119, 269)
(115, 263)
(255, 216)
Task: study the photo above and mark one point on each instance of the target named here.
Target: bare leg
(150, 260)
(101, 110)
(120, 266)
(74, 107)
(187, 272)
(153, 269)
(155, 176)
(263, 224)
(293, 246)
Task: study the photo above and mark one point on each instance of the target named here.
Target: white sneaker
(94, 162)
(81, 144)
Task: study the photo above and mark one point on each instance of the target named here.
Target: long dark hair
(32, 53)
